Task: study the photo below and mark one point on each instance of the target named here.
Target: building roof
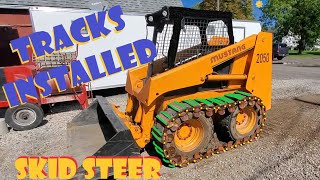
(129, 6)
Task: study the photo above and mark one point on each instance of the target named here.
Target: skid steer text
(66, 167)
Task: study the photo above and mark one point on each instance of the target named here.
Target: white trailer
(44, 19)
(245, 28)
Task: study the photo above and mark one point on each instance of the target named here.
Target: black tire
(280, 58)
(24, 117)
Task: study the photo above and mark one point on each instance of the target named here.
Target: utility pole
(218, 5)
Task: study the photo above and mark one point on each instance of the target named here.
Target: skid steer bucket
(98, 131)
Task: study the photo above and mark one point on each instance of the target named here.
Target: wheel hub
(189, 135)
(246, 120)
(241, 118)
(184, 131)
(24, 116)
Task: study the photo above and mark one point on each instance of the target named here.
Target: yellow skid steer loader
(203, 94)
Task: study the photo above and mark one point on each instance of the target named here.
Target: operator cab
(182, 35)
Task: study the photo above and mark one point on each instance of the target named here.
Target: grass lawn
(305, 54)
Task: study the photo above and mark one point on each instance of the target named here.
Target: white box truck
(45, 18)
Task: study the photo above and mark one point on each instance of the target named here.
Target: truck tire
(280, 58)
(24, 117)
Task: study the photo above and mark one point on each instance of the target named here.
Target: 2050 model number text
(263, 58)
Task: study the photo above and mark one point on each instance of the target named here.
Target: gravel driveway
(288, 149)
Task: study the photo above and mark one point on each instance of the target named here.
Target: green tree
(241, 9)
(294, 17)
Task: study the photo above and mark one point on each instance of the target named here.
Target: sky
(256, 11)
